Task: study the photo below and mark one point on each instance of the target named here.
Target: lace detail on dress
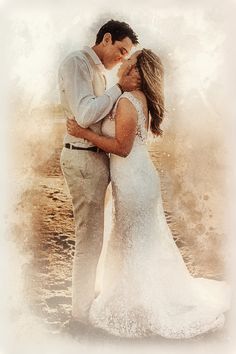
(141, 132)
(147, 288)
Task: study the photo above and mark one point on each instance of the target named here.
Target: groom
(85, 167)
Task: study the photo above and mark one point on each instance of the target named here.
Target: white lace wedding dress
(147, 289)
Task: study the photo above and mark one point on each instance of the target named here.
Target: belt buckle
(68, 146)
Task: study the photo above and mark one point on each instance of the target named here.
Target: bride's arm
(126, 124)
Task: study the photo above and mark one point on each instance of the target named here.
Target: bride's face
(128, 63)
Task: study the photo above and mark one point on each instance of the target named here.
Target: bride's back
(139, 101)
(143, 100)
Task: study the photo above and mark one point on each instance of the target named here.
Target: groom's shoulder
(74, 57)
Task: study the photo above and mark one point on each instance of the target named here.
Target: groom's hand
(130, 80)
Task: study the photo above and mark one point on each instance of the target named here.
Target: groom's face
(115, 53)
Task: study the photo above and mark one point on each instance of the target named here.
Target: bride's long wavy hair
(152, 75)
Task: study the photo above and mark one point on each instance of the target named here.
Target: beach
(50, 238)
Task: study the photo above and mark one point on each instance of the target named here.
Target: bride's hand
(74, 129)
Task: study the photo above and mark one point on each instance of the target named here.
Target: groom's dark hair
(118, 30)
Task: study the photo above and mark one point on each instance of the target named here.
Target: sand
(50, 237)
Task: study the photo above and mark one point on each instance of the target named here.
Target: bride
(147, 288)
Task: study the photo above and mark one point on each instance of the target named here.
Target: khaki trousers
(87, 176)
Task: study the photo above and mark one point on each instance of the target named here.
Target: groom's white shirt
(82, 86)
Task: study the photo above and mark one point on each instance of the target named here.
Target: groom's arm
(87, 108)
(126, 127)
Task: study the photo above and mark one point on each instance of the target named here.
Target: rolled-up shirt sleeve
(87, 108)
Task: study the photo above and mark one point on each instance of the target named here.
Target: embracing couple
(147, 288)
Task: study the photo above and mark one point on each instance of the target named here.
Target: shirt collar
(95, 58)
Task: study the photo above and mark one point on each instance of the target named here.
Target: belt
(90, 148)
